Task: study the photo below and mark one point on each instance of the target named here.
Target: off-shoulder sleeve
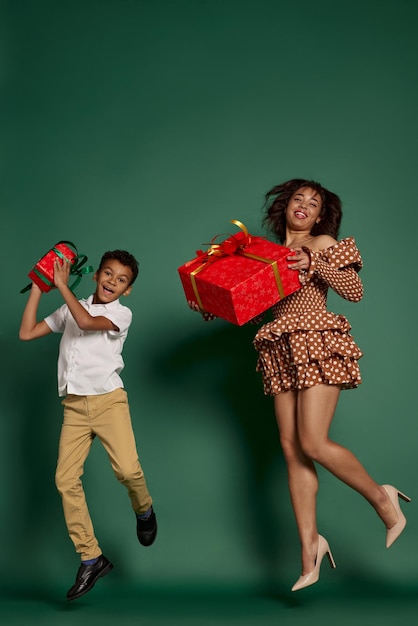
(338, 266)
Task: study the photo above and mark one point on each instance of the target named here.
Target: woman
(307, 355)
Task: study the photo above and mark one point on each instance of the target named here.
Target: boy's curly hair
(277, 199)
(125, 258)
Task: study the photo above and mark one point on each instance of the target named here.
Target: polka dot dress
(306, 345)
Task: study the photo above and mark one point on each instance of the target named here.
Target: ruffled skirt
(300, 351)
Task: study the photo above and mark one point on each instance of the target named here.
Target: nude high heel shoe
(313, 577)
(393, 533)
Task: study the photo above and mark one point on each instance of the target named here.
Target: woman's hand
(257, 319)
(208, 317)
(298, 260)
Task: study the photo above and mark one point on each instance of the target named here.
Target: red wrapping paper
(234, 286)
(43, 272)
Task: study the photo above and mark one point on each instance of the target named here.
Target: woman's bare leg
(302, 477)
(316, 407)
(304, 419)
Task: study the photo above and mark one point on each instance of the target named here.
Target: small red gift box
(239, 278)
(43, 272)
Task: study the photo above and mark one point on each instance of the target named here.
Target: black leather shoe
(87, 576)
(146, 529)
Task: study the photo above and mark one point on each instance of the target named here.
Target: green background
(149, 125)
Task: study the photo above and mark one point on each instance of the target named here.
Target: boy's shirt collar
(108, 305)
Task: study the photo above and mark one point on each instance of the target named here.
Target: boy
(95, 402)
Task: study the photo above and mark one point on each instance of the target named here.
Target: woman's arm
(345, 281)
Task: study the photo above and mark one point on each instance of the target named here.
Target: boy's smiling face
(113, 280)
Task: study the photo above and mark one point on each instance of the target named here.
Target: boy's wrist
(62, 287)
(36, 290)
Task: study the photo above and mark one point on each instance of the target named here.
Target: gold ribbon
(242, 227)
(274, 267)
(228, 248)
(195, 289)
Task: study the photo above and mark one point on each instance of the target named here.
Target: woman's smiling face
(304, 208)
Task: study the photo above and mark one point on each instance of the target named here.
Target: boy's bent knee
(64, 483)
(126, 476)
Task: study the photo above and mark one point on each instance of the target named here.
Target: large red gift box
(239, 278)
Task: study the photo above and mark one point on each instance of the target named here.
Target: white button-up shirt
(90, 361)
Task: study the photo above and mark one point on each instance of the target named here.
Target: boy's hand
(208, 317)
(61, 272)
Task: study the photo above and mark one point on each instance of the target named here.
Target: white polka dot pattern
(306, 345)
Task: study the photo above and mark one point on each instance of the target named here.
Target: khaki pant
(107, 417)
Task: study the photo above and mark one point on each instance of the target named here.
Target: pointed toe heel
(309, 579)
(393, 533)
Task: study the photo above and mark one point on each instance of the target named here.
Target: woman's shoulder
(325, 242)
(321, 242)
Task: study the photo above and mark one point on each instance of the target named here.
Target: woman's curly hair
(277, 199)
